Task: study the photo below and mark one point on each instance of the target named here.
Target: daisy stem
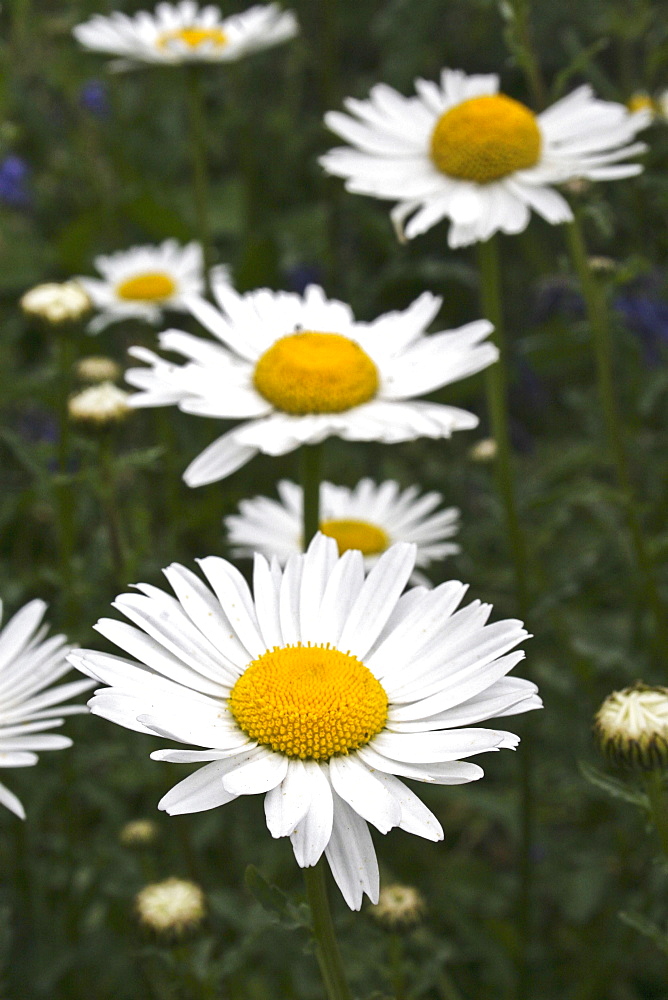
(658, 806)
(199, 166)
(110, 506)
(66, 354)
(497, 403)
(599, 322)
(311, 463)
(327, 947)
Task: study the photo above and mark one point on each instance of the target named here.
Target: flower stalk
(658, 805)
(311, 464)
(327, 948)
(496, 382)
(599, 322)
(200, 172)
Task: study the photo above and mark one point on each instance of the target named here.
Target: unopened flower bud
(484, 450)
(100, 405)
(138, 833)
(399, 906)
(631, 727)
(56, 303)
(97, 368)
(172, 907)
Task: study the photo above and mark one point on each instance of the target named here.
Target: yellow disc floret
(311, 702)
(193, 37)
(351, 534)
(150, 287)
(311, 372)
(486, 138)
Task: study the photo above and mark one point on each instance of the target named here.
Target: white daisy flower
(301, 369)
(140, 283)
(186, 33)
(369, 517)
(29, 665)
(320, 690)
(465, 152)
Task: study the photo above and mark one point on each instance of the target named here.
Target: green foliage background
(104, 183)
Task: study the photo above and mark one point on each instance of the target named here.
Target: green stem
(311, 461)
(66, 532)
(525, 52)
(200, 171)
(109, 504)
(497, 403)
(599, 322)
(658, 806)
(327, 948)
(396, 950)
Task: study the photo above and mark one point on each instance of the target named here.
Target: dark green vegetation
(111, 169)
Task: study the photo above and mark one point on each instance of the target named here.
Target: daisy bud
(172, 907)
(98, 368)
(602, 265)
(484, 450)
(399, 906)
(138, 833)
(631, 727)
(56, 303)
(99, 405)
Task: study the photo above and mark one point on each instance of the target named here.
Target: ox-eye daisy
(301, 369)
(186, 33)
(369, 517)
(29, 664)
(465, 152)
(319, 690)
(143, 281)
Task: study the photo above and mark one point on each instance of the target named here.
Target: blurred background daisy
(369, 517)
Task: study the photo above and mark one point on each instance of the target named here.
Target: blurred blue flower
(556, 294)
(14, 174)
(94, 97)
(647, 317)
(301, 276)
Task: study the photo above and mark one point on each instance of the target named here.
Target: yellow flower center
(351, 534)
(486, 138)
(312, 372)
(151, 287)
(311, 702)
(193, 37)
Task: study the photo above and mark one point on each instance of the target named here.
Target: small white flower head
(399, 906)
(320, 690)
(99, 405)
(631, 727)
(484, 450)
(29, 665)
(138, 833)
(143, 282)
(463, 151)
(172, 907)
(369, 517)
(97, 368)
(56, 303)
(184, 32)
(298, 369)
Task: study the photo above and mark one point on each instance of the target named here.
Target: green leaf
(613, 786)
(647, 928)
(274, 900)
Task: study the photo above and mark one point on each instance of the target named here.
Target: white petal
(258, 774)
(352, 857)
(287, 804)
(359, 787)
(10, 800)
(312, 833)
(377, 598)
(199, 791)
